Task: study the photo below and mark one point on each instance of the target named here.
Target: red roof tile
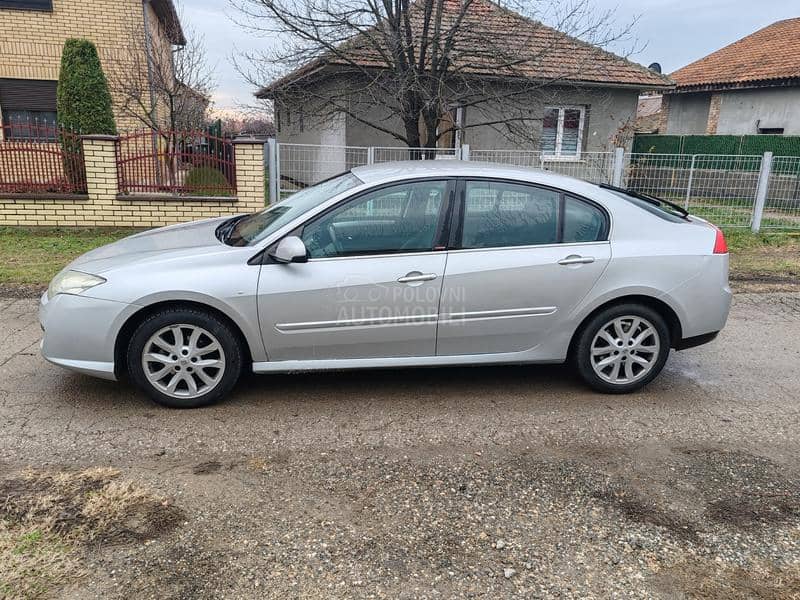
(770, 53)
(498, 42)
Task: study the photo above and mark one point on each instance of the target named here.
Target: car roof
(392, 171)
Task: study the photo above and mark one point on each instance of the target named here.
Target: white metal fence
(731, 191)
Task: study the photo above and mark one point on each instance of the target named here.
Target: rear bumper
(697, 340)
(80, 332)
(703, 302)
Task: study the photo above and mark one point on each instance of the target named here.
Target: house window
(27, 4)
(770, 130)
(448, 129)
(35, 125)
(562, 131)
(28, 107)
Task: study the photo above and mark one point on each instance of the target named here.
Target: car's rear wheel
(622, 348)
(184, 357)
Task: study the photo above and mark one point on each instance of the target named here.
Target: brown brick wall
(103, 208)
(713, 114)
(31, 41)
(663, 115)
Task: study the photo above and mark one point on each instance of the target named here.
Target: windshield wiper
(650, 199)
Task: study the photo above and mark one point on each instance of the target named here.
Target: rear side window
(506, 214)
(500, 214)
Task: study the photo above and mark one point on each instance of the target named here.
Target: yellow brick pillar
(250, 172)
(100, 156)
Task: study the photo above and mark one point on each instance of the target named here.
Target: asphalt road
(458, 482)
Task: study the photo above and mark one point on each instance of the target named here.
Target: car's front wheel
(184, 357)
(622, 348)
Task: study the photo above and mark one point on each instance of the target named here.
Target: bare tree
(247, 125)
(163, 87)
(417, 60)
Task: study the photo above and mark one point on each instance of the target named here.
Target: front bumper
(80, 332)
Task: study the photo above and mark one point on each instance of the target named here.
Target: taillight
(720, 245)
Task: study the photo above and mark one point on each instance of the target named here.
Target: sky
(670, 32)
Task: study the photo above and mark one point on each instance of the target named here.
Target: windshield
(251, 229)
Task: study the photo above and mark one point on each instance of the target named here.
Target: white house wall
(742, 110)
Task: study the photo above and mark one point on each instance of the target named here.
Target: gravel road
(470, 482)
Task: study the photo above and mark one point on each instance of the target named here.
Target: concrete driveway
(467, 482)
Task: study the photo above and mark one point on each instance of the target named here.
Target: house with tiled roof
(32, 39)
(751, 86)
(582, 98)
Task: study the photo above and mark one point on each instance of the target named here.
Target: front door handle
(415, 276)
(574, 259)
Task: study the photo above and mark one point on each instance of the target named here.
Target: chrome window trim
(383, 255)
(530, 247)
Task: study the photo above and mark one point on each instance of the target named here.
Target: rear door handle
(574, 259)
(416, 276)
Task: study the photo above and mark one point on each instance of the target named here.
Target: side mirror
(290, 250)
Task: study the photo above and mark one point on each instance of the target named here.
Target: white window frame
(560, 133)
(458, 123)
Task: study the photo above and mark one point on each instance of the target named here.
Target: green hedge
(748, 147)
(736, 145)
(83, 99)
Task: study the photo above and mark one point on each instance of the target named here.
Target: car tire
(633, 336)
(185, 357)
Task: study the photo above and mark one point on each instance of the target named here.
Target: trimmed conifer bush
(83, 99)
(83, 102)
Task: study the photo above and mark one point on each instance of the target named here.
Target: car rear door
(372, 284)
(521, 258)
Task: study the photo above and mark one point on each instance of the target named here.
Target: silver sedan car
(413, 264)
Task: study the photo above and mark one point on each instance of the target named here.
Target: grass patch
(33, 256)
(773, 256)
(48, 521)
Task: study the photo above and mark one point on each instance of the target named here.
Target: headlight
(72, 282)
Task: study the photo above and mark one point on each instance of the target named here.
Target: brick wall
(663, 115)
(713, 114)
(102, 206)
(31, 41)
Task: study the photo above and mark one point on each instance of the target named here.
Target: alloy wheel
(183, 361)
(625, 350)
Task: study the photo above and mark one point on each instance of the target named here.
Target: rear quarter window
(583, 222)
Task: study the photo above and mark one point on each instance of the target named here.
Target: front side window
(498, 213)
(562, 131)
(394, 219)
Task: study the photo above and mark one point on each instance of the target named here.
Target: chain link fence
(729, 190)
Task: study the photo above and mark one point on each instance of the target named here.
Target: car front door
(372, 284)
(523, 256)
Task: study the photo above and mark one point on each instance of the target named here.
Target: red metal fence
(182, 163)
(41, 159)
